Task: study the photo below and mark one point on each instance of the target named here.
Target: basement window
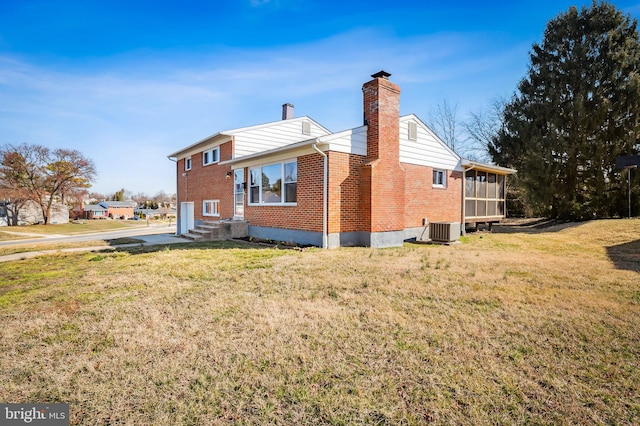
(210, 208)
(211, 156)
(439, 178)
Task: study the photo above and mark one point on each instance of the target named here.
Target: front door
(186, 217)
(238, 206)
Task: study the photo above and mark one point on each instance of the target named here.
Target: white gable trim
(271, 124)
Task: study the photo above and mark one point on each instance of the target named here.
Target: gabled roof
(226, 135)
(94, 208)
(114, 204)
(301, 147)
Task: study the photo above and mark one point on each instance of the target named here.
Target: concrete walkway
(148, 240)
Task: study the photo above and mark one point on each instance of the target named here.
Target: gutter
(325, 182)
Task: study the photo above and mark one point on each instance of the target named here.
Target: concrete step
(218, 231)
(193, 237)
(202, 231)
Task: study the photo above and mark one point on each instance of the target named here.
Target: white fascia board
(208, 142)
(476, 165)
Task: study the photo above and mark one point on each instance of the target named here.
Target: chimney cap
(381, 74)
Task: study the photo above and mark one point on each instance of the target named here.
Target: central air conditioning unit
(444, 232)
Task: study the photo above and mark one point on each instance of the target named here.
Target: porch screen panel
(492, 186)
(470, 184)
(470, 208)
(481, 208)
(482, 184)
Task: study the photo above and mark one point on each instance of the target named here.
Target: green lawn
(527, 327)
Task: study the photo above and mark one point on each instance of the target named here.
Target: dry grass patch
(73, 228)
(506, 328)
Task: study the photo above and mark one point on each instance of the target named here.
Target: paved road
(153, 235)
(158, 233)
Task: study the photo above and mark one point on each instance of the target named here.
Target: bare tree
(36, 173)
(443, 120)
(482, 127)
(140, 198)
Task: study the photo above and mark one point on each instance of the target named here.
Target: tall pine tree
(576, 110)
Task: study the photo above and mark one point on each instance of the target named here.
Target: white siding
(256, 139)
(427, 150)
(353, 141)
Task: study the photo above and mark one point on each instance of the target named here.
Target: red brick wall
(383, 180)
(306, 215)
(207, 183)
(425, 201)
(345, 213)
(117, 212)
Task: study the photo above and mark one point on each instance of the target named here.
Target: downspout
(325, 182)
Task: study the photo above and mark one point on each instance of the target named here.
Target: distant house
(94, 211)
(31, 214)
(108, 210)
(376, 185)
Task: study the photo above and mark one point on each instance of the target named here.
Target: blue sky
(129, 82)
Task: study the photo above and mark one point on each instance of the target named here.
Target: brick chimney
(382, 178)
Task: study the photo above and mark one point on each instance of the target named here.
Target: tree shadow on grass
(533, 226)
(626, 256)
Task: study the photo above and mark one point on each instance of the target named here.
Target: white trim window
(210, 208)
(274, 184)
(210, 156)
(439, 178)
(187, 164)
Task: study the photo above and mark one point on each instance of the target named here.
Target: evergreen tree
(576, 110)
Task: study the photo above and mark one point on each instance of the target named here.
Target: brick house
(108, 210)
(375, 185)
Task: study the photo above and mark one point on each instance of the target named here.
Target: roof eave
(271, 152)
(198, 144)
(470, 164)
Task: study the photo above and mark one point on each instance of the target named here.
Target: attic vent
(444, 232)
(413, 131)
(306, 128)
